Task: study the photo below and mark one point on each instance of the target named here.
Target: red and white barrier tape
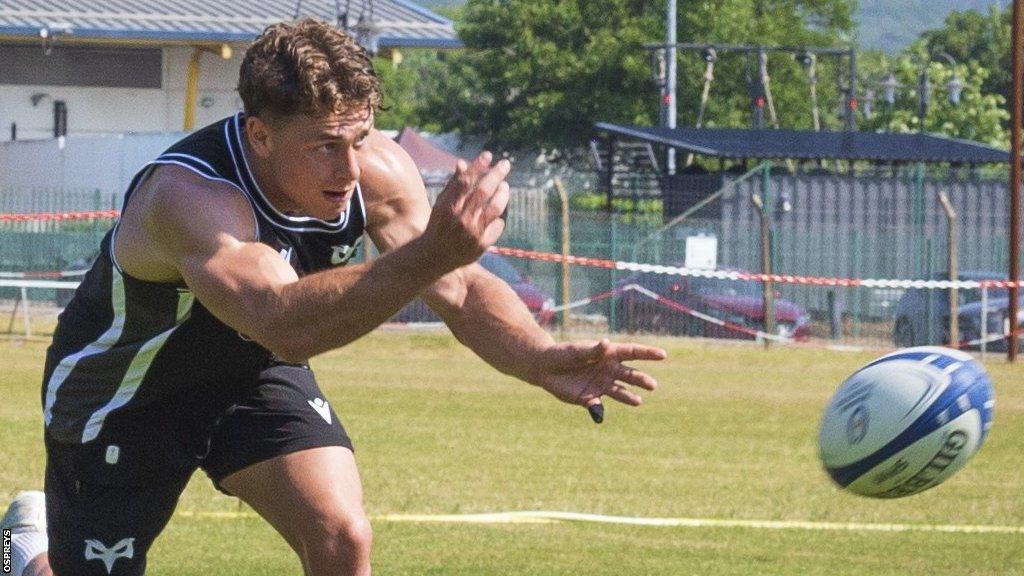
(630, 266)
(990, 339)
(589, 300)
(59, 216)
(757, 334)
(753, 276)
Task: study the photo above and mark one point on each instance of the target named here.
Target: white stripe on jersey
(137, 369)
(255, 219)
(102, 344)
(190, 157)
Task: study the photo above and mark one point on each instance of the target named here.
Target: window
(98, 66)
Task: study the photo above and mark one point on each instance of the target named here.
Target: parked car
(922, 315)
(537, 302)
(736, 302)
(996, 317)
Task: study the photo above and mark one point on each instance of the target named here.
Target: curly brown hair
(306, 67)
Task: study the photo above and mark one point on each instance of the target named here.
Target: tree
(980, 46)
(972, 36)
(794, 23)
(544, 71)
(406, 83)
(979, 116)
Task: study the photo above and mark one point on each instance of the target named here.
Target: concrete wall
(93, 110)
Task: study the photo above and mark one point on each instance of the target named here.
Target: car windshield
(501, 268)
(720, 287)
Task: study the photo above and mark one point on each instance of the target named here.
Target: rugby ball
(906, 422)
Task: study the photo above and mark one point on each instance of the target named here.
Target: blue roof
(399, 23)
(738, 143)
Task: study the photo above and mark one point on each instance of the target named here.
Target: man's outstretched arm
(485, 314)
(179, 227)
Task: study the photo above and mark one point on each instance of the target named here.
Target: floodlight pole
(668, 94)
(1015, 174)
(670, 43)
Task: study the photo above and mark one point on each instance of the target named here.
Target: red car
(537, 302)
(736, 302)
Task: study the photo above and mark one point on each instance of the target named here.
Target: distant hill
(887, 25)
(432, 4)
(890, 25)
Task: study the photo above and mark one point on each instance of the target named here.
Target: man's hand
(582, 372)
(466, 219)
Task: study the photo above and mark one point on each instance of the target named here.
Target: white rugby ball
(906, 422)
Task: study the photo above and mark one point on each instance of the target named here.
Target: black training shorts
(108, 499)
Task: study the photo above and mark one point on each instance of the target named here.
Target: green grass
(729, 435)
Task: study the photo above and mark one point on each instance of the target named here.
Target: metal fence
(868, 225)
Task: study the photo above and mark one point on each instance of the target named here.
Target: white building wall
(86, 166)
(117, 110)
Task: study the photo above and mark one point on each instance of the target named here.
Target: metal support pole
(188, 122)
(609, 174)
(919, 228)
(670, 41)
(566, 290)
(759, 100)
(766, 268)
(984, 321)
(1015, 174)
(954, 300)
(25, 313)
(850, 116)
(923, 97)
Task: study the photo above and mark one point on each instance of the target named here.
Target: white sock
(24, 547)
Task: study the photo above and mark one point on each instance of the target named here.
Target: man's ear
(258, 133)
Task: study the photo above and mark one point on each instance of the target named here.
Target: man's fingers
(495, 176)
(483, 160)
(624, 352)
(624, 395)
(635, 377)
(493, 231)
(498, 202)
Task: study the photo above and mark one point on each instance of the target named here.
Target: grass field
(730, 435)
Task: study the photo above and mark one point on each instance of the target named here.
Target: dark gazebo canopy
(732, 143)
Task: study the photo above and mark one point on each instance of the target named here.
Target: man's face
(311, 163)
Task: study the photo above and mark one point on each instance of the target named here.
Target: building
(161, 65)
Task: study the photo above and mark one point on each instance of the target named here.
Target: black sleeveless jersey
(123, 345)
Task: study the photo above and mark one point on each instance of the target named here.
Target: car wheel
(904, 333)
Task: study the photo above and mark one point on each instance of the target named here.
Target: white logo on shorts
(321, 408)
(94, 549)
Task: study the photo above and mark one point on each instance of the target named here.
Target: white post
(25, 311)
(670, 40)
(984, 320)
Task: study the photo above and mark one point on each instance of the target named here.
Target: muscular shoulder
(173, 212)
(390, 181)
(386, 167)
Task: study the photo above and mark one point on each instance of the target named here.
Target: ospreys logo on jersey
(96, 550)
(342, 254)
